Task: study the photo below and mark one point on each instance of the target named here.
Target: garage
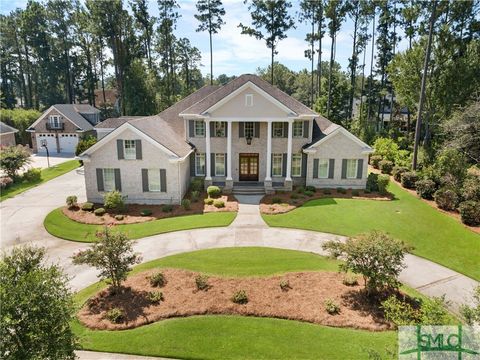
(68, 142)
(47, 139)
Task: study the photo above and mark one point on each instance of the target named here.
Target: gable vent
(249, 100)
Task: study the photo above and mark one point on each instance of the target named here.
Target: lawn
(432, 234)
(59, 225)
(47, 174)
(237, 337)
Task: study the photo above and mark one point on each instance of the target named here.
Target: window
(219, 129)
(249, 100)
(277, 162)
(219, 164)
(298, 129)
(130, 150)
(153, 179)
(352, 168)
(108, 180)
(323, 168)
(199, 128)
(55, 121)
(200, 164)
(296, 164)
(277, 129)
(249, 129)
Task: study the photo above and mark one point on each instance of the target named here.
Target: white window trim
(197, 158)
(291, 170)
(195, 128)
(52, 119)
(356, 169)
(273, 130)
(248, 100)
(222, 162)
(301, 127)
(129, 157)
(105, 189)
(328, 168)
(220, 125)
(281, 164)
(245, 128)
(150, 183)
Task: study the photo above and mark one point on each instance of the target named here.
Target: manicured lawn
(433, 235)
(61, 226)
(47, 174)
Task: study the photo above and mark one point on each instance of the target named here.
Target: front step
(248, 190)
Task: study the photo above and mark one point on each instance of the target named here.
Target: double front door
(248, 167)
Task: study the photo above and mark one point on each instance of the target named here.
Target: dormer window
(249, 100)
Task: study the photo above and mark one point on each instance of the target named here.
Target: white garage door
(49, 140)
(68, 142)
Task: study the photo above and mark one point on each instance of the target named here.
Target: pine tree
(145, 23)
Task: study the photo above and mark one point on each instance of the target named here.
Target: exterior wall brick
(7, 139)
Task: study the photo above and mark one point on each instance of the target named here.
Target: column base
(228, 187)
(288, 185)
(269, 190)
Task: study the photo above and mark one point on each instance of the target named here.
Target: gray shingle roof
(321, 128)
(113, 123)
(72, 112)
(5, 129)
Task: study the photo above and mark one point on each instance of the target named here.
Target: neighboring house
(7, 135)
(110, 124)
(400, 115)
(245, 132)
(60, 127)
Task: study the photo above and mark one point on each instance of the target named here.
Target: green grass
(432, 234)
(237, 337)
(47, 174)
(59, 225)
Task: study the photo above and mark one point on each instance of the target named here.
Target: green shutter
(100, 186)
(191, 128)
(306, 126)
(145, 180)
(257, 129)
(118, 180)
(120, 149)
(359, 168)
(138, 149)
(163, 180)
(304, 165)
(315, 168)
(344, 168)
(212, 129)
(331, 168)
(284, 165)
(241, 129)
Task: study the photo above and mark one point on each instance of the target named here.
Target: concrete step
(249, 190)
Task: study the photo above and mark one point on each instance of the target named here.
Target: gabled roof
(6, 129)
(73, 113)
(203, 105)
(113, 123)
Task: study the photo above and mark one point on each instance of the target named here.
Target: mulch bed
(132, 213)
(304, 301)
(285, 203)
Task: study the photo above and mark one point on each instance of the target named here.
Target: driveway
(40, 160)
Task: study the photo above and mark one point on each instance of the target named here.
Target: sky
(236, 54)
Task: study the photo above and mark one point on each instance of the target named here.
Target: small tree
(472, 314)
(13, 158)
(376, 256)
(36, 308)
(112, 254)
(84, 143)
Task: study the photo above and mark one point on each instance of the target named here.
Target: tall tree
(209, 15)
(145, 23)
(189, 58)
(271, 21)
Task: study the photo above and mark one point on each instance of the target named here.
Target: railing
(59, 126)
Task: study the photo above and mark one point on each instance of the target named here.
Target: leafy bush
(472, 314)
(197, 184)
(308, 193)
(13, 158)
(240, 297)
(471, 188)
(114, 200)
(300, 189)
(397, 172)
(311, 188)
(201, 281)
(167, 208)
(294, 196)
(32, 175)
(331, 307)
(398, 312)
(186, 204)
(213, 191)
(157, 280)
(452, 166)
(355, 192)
(433, 312)
(386, 166)
(350, 280)
(382, 184)
(84, 143)
(5, 182)
(386, 148)
(99, 211)
(71, 201)
(327, 191)
(408, 179)
(470, 212)
(276, 200)
(219, 204)
(376, 256)
(155, 296)
(146, 212)
(372, 182)
(88, 206)
(341, 190)
(119, 217)
(285, 285)
(208, 201)
(375, 161)
(425, 188)
(115, 315)
(403, 158)
(446, 199)
(194, 195)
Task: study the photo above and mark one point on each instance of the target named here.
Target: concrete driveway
(40, 160)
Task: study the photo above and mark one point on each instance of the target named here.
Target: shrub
(32, 175)
(472, 314)
(99, 211)
(470, 212)
(194, 195)
(398, 312)
(113, 200)
(157, 280)
(167, 208)
(201, 281)
(197, 184)
(5, 182)
(386, 148)
(285, 285)
(403, 158)
(355, 192)
(311, 188)
(375, 161)
(408, 179)
(13, 158)
(372, 182)
(294, 196)
(308, 193)
(386, 166)
(382, 184)
(397, 172)
(219, 204)
(71, 201)
(85, 143)
(452, 165)
(146, 212)
(446, 199)
(115, 315)
(327, 191)
(276, 200)
(119, 217)
(155, 296)
(341, 190)
(425, 188)
(240, 297)
(471, 188)
(88, 206)
(433, 312)
(331, 307)
(213, 191)
(186, 204)
(208, 201)
(350, 280)
(376, 256)
(300, 189)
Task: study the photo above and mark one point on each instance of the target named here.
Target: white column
(207, 150)
(229, 150)
(268, 177)
(289, 151)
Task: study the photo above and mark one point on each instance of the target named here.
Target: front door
(248, 167)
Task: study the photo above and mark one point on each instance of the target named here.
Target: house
(246, 132)
(110, 101)
(7, 135)
(108, 125)
(60, 127)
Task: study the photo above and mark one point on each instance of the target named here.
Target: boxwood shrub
(470, 212)
(382, 184)
(372, 182)
(88, 206)
(408, 179)
(446, 199)
(386, 166)
(375, 160)
(99, 212)
(397, 172)
(213, 191)
(426, 188)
